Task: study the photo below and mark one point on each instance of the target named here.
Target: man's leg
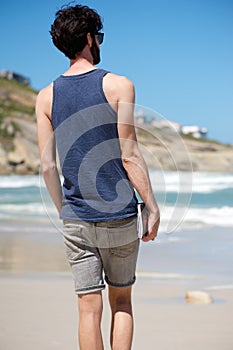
(90, 312)
(122, 318)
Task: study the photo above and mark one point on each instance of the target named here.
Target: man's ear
(89, 40)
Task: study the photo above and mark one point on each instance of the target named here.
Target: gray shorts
(93, 248)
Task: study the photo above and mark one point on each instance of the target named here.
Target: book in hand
(142, 220)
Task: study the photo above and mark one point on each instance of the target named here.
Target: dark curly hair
(70, 27)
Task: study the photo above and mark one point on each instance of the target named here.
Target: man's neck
(80, 65)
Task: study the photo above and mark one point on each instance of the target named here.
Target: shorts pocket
(75, 254)
(125, 250)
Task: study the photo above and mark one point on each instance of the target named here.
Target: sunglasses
(100, 37)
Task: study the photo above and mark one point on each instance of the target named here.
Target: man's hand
(153, 226)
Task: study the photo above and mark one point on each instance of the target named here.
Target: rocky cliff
(18, 135)
(168, 150)
(162, 148)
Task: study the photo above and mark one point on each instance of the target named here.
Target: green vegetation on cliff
(16, 101)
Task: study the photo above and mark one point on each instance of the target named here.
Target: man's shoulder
(120, 80)
(44, 99)
(45, 94)
(46, 91)
(118, 86)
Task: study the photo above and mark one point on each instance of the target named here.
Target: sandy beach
(38, 311)
(38, 305)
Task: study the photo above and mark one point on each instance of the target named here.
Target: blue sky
(179, 53)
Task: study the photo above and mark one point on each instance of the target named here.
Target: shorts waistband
(113, 223)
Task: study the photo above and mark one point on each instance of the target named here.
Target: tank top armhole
(100, 83)
(53, 102)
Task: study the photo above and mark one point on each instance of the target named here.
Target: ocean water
(194, 245)
(187, 201)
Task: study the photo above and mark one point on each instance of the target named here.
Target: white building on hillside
(194, 131)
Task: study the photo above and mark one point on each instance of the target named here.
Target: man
(89, 112)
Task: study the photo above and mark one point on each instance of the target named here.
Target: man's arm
(132, 158)
(47, 148)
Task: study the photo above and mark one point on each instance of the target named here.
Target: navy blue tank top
(96, 186)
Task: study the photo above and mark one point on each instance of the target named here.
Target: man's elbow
(48, 168)
(133, 158)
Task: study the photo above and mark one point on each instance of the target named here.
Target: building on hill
(9, 74)
(194, 131)
(161, 123)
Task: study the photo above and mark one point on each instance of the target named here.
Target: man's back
(96, 186)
